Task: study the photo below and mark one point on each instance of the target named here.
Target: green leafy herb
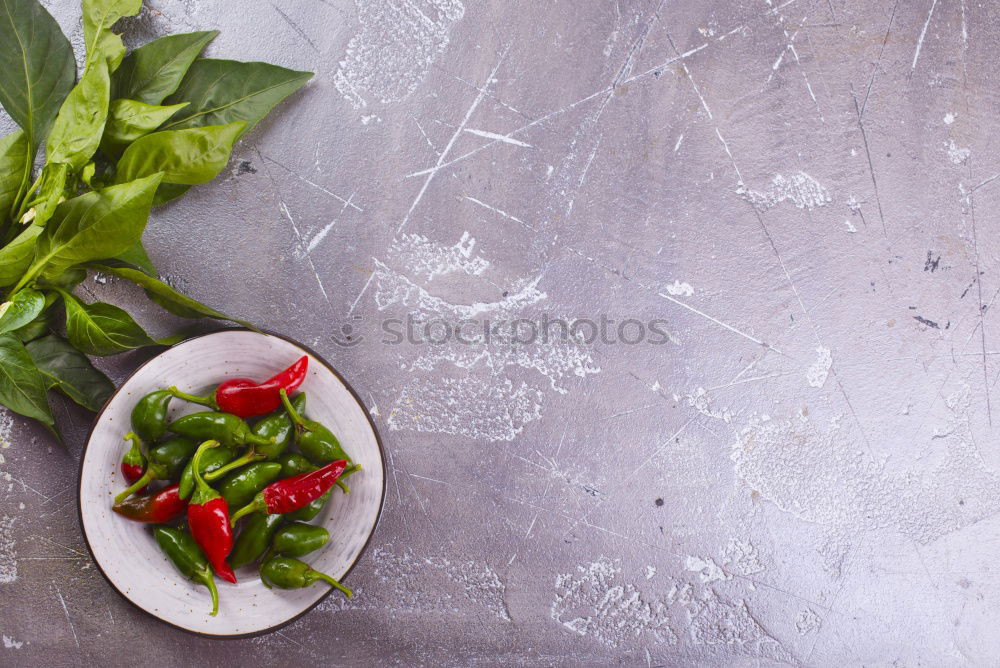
(14, 159)
(188, 157)
(21, 310)
(129, 120)
(153, 71)
(22, 387)
(15, 257)
(99, 224)
(169, 298)
(226, 91)
(98, 17)
(37, 64)
(104, 329)
(134, 132)
(69, 371)
(77, 130)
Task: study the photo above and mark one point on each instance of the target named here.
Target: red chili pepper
(208, 519)
(245, 398)
(133, 461)
(287, 496)
(164, 506)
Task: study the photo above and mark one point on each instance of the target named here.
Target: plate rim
(364, 548)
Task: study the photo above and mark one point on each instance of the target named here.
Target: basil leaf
(225, 91)
(154, 70)
(22, 387)
(33, 330)
(95, 225)
(104, 329)
(37, 64)
(169, 298)
(67, 280)
(189, 157)
(15, 165)
(15, 258)
(77, 130)
(169, 191)
(136, 257)
(128, 120)
(21, 310)
(69, 371)
(98, 17)
(50, 191)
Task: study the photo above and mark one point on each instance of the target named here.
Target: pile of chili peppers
(216, 469)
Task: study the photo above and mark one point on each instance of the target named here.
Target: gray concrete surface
(803, 194)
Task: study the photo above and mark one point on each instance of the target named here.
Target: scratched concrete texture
(801, 196)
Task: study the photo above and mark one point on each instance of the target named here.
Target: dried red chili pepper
(133, 461)
(245, 398)
(208, 519)
(287, 496)
(163, 506)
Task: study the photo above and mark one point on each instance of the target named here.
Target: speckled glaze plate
(125, 551)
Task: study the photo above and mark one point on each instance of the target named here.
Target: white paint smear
(807, 622)
(465, 385)
(701, 401)
(706, 568)
(428, 259)
(800, 189)
(958, 156)
(829, 478)
(398, 41)
(595, 601)
(740, 556)
(476, 406)
(679, 289)
(949, 118)
(817, 373)
(10, 643)
(8, 556)
(592, 602)
(407, 582)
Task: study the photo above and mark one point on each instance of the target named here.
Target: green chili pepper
(211, 461)
(315, 441)
(279, 427)
(288, 573)
(299, 539)
(225, 428)
(311, 510)
(188, 558)
(254, 539)
(165, 462)
(293, 464)
(239, 488)
(149, 417)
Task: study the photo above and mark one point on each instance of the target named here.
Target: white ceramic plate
(125, 551)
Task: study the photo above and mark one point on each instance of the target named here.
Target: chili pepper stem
(292, 413)
(201, 486)
(208, 401)
(353, 468)
(250, 456)
(209, 581)
(135, 487)
(253, 506)
(134, 439)
(334, 583)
